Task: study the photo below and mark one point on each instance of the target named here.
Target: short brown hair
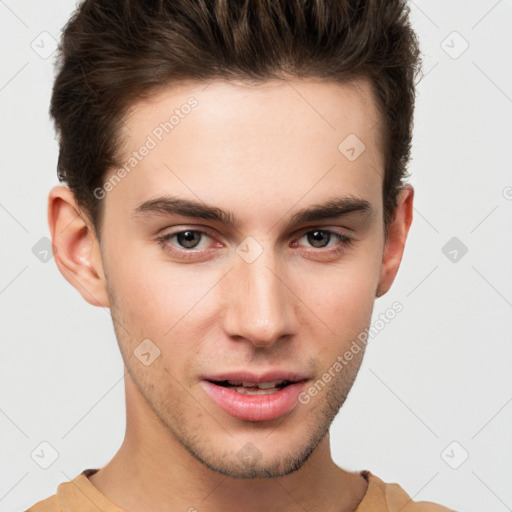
(113, 52)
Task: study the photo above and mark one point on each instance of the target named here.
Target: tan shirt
(80, 495)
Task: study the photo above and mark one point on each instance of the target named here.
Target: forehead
(297, 106)
(275, 141)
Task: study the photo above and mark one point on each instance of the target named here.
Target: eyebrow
(330, 209)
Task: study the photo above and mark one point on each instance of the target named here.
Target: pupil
(186, 239)
(315, 236)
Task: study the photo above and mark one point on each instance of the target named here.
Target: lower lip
(254, 407)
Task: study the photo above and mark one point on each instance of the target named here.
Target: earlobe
(78, 254)
(395, 241)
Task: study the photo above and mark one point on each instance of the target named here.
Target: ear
(395, 241)
(78, 254)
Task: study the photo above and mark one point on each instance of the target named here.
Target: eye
(325, 244)
(185, 243)
(320, 238)
(189, 239)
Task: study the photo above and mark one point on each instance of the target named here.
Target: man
(236, 198)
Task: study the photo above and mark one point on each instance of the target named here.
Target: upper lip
(269, 376)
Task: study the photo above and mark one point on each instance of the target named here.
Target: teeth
(268, 385)
(261, 385)
(255, 391)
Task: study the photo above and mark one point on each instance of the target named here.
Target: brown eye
(323, 244)
(188, 239)
(185, 243)
(318, 238)
(321, 238)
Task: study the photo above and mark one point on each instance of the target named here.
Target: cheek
(343, 317)
(342, 300)
(154, 294)
(343, 295)
(164, 303)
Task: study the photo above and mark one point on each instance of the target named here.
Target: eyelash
(343, 243)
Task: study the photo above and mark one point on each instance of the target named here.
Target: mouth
(259, 399)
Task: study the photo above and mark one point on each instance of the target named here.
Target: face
(245, 280)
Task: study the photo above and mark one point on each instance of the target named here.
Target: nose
(260, 304)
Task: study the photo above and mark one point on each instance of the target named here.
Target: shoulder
(392, 496)
(76, 494)
(50, 504)
(69, 496)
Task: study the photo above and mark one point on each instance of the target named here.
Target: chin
(260, 454)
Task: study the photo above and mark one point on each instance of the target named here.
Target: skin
(262, 152)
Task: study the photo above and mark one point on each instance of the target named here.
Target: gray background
(436, 384)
